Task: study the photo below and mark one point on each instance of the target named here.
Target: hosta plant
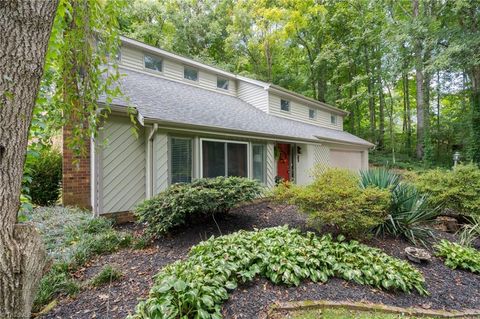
(197, 286)
(458, 256)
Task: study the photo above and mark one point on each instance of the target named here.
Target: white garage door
(346, 159)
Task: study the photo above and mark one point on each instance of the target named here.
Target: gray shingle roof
(165, 100)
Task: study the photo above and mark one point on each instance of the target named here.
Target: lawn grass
(343, 313)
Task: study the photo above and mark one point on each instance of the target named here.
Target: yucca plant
(409, 211)
(379, 177)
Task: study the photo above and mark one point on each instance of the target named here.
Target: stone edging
(361, 306)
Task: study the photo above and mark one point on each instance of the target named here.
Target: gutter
(202, 128)
(282, 91)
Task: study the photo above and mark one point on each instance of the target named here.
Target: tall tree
(26, 28)
(419, 77)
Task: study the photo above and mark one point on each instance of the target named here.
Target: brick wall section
(76, 176)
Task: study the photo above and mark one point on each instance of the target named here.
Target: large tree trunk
(420, 88)
(475, 118)
(26, 27)
(371, 98)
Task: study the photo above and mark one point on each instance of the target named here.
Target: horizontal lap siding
(173, 70)
(253, 94)
(300, 112)
(123, 166)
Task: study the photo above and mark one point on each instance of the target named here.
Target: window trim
(193, 68)
(155, 57)
(289, 105)
(314, 113)
(228, 83)
(333, 119)
(192, 144)
(226, 155)
(264, 181)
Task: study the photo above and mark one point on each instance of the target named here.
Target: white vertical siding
(300, 112)
(253, 94)
(123, 166)
(270, 167)
(160, 162)
(133, 58)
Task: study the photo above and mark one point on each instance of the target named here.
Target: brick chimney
(76, 175)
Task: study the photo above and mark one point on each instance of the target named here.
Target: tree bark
(475, 118)
(371, 99)
(26, 28)
(420, 88)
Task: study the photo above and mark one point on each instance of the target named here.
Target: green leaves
(458, 256)
(335, 198)
(280, 254)
(201, 197)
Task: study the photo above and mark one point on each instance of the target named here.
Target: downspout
(150, 166)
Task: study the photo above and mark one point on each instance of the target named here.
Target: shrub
(409, 211)
(172, 207)
(108, 274)
(45, 172)
(197, 286)
(457, 189)
(335, 198)
(458, 256)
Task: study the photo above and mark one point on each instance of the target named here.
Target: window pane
(237, 159)
(285, 105)
(311, 113)
(181, 160)
(213, 159)
(190, 73)
(259, 161)
(153, 63)
(222, 83)
(333, 119)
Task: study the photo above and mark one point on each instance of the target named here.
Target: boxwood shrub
(197, 287)
(180, 202)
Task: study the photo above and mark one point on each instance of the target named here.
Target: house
(195, 120)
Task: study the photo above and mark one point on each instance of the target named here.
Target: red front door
(283, 165)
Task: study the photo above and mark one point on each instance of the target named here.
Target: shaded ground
(449, 289)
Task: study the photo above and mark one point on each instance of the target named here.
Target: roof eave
(176, 57)
(280, 90)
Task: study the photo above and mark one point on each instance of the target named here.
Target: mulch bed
(449, 289)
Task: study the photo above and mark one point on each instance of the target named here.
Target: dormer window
(333, 119)
(312, 114)
(190, 73)
(285, 105)
(222, 83)
(153, 63)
